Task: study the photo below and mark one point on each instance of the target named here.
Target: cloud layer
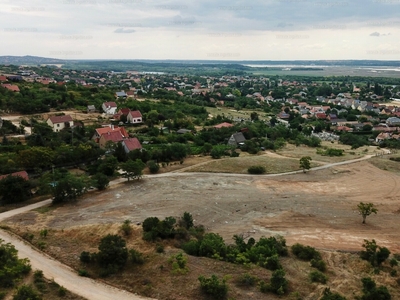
(268, 29)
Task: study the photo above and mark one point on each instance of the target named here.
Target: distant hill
(29, 60)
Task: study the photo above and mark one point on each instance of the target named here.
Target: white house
(135, 117)
(110, 108)
(60, 122)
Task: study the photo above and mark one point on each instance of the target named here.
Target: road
(86, 287)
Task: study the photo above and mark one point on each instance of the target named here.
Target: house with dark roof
(121, 94)
(135, 117)
(60, 122)
(131, 144)
(236, 139)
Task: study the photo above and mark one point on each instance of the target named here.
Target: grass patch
(241, 165)
(384, 163)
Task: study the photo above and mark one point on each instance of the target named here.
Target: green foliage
(26, 292)
(214, 287)
(101, 181)
(318, 264)
(247, 280)
(136, 257)
(305, 163)
(133, 169)
(179, 263)
(160, 248)
(365, 209)
(373, 253)
(187, 220)
(83, 273)
(393, 262)
(11, 267)
(305, 252)
(153, 228)
(278, 283)
(69, 187)
(272, 263)
(328, 295)
(85, 257)
(126, 227)
(113, 254)
(14, 189)
(62, 291)
(256, 170)
(372, 292)
(317, 276)
(153, 166)
(43, 233)
(330, 152)
(212, 244)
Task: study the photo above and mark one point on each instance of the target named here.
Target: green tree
(26, 292)
(375, 254)
(133, 169)
(328, 295)
(305, 163)
(69, 187)
(108, 165)
(366, 209)
(36, 157)
(101, 181)
(214, 287)
(187, 220)
(371, 292)
(14, 189)
(113, 253)
(11, 267)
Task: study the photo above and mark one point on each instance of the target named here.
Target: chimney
(112, 127)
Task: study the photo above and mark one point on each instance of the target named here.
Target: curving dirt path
(60, 273)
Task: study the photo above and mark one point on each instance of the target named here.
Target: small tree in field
(305, 163)
(365, 209)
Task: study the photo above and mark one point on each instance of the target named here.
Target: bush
(126, 227)
(317, 276)
(85, 257)
(43, 233)
(247, 280)
(101, 181)
(371, 292)
(83, 273)
(160, 248)
(305, 252)
(25, 292)
(192, 247)
(393, 262)
(153, 166)
(113, 253)
(136, 257)
(62, 291)
(214, 287)
(328, 295)
(278, 283)
(272, 263)
(178, 262)
(2, 295)
(256, 170)
(318, 264)
(375, 254)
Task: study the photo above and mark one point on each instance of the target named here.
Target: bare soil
(316, 209)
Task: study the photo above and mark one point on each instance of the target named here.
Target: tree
(69, 187)
(328, 295)
(101, 181)
(113, 253)
(26, 292)
(14, 189)
(305, 163)
(375, 254)
(365, 209)
(187, 220)
(371, 292)
(214, 287)
(11, 267)
(133, 169)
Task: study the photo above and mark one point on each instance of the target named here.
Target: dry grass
(384, 163)
(230, 112)
(240, 165)
(293, 151)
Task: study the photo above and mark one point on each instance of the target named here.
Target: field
(316, 208)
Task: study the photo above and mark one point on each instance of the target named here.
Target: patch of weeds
(28, 236)
(83, 273)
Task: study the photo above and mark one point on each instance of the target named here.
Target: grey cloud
(375, 34)
(123, 30)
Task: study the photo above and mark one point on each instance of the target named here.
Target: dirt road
(61, 273)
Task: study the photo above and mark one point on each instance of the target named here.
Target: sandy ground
(316, 208)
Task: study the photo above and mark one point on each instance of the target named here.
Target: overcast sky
(204, 29)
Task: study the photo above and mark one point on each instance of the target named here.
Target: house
(183, 131)
(11, 87)
(382, 136)
(393, 121)
(121, 94)
(121, 112)
(100, 131)
(60, 122)
(3, 78)
(22, 174)
(225, 124)
(110, 136)
(91, 109)
(131, 144)
(236, 139)
(109, 108)
(134, 117)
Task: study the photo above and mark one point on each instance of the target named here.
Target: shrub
(113, 253)
(192, 247)
(328, 295)
(83, 273)
(101, 181)
(393, 262)
(247, 280)
(43, 233)
(393, 273)
(25, 292)
(153, 166)
(305, 252)
(62, 291)
(160, 248)
(2, 295)
(126, 227)
(178, 262)
(318, 264)
(272, 263)
(278, 283)
(85, 257)
(375, 254)
(256, 170)
(317, 276)
(214, 287)
(371, 292)
(38, 276)
(136, 257)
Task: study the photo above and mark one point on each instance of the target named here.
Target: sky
(201, 30)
